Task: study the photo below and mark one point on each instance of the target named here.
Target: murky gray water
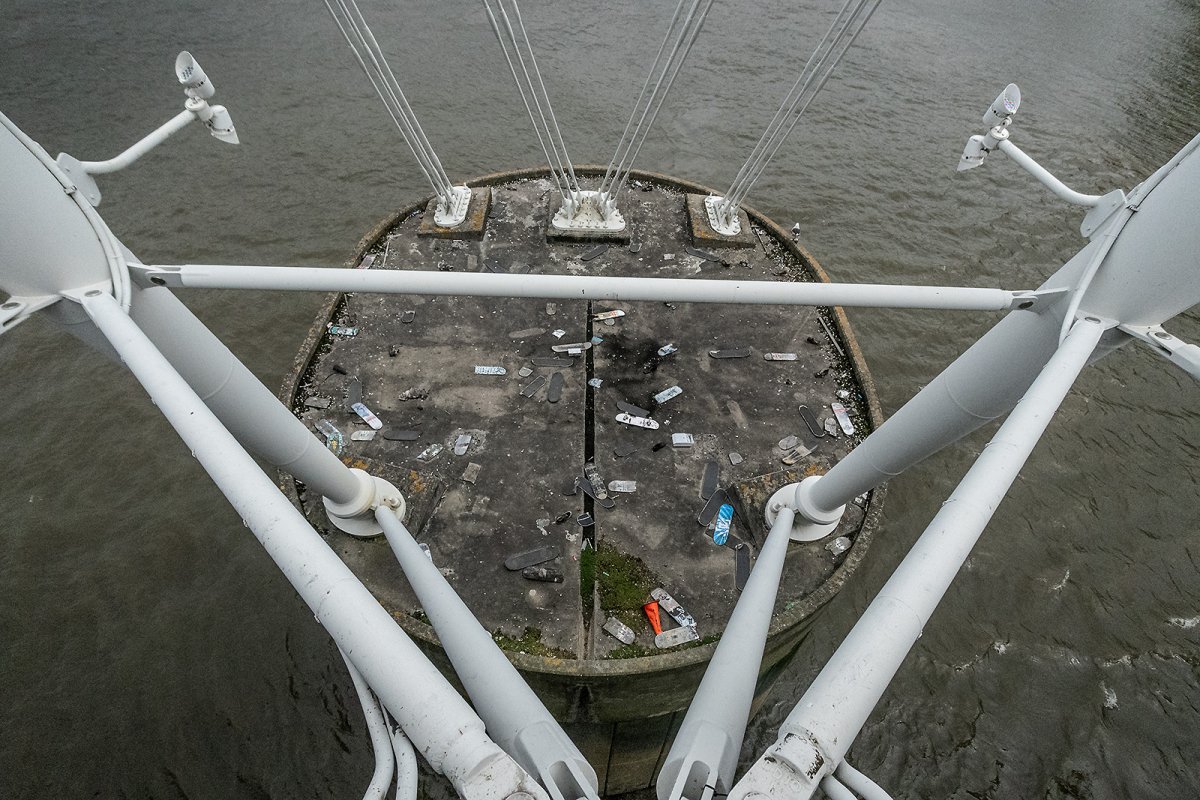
(150, 649)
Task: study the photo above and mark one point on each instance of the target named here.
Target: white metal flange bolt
(357, 515)
(812, 522)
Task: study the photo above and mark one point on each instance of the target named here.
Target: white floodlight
(973, 154)
(190, 74)
(1003, 107)
(220, 125)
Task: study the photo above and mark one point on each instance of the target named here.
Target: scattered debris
(362, 436)
(543, 574)
(354, 393)
(526, 333)
(682, 440)
(630, 408)
(703, 255)
(333, 437)
(625, 487)
(488, 370)
(393, 351)
(558, 333)
(425, 549)
(367, 416)
(718, 499)
(658, 445)
(812, 340)
(843, 394)
(822, 373)
(838, 546)
(676, 637)
(525, 371)
(635, 248)
(638, 422)
(532, 387)
(430, 453)
(619, 630)
(667, 349)
(616, 312)
(795, 231)
(788, 442)
(741, 565)
(595, 252)
(667, 394)
(595, 383)
(740, 352)
(712, 474)
(651, 610)
(832, 338)
(597, 340)
(831, 426)
(586, 520)
(318, 403)
(794, 455)
(398, 435)
(342, 330)
(735, 458)
(462, 444)
(623, 450)
(724, 518)
(554, 392)
(810, 422)
(528, 558)
(672, 607)
(408, 316)
(573, 347)
(366, 262)
(413, 394)
(843, 419)
(551, 361)
(779, 356)
(551, 309)
(563, 517)
(471, 473)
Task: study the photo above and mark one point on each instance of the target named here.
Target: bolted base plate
(364, 525)
(802, 530)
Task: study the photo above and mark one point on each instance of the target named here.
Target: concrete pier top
(437, 370)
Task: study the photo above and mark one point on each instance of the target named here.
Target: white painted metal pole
(381, 741)
(814, 738)
(584, 287)
(514, 715)
(438, 721)
(979, 386)
(247, 408)
(1046, 178)
(145, 145)
(705, 751)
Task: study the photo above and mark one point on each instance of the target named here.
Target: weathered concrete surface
(527, 448)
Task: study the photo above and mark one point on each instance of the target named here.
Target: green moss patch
(530, 643)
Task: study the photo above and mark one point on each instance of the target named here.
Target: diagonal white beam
(587, 287)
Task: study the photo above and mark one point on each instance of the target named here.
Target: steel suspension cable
(370, 58)
(686, 37)
(847, 25)
(828, 64)
(554, 149)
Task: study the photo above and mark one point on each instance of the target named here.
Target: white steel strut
(1137, 272)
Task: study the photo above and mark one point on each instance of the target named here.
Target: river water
(150, 649)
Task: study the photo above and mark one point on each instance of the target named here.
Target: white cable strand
(366, 49)
(857, 25)
(789, 100)
(555, 150)
(521, 89)
(675, 68)
(391, 91)
(394, 85)
(816, 74)
(549, 109)
(617, 156)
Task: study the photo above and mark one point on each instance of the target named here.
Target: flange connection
(357, 516)
(812, 522)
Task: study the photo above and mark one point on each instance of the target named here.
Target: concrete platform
(417, 373)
